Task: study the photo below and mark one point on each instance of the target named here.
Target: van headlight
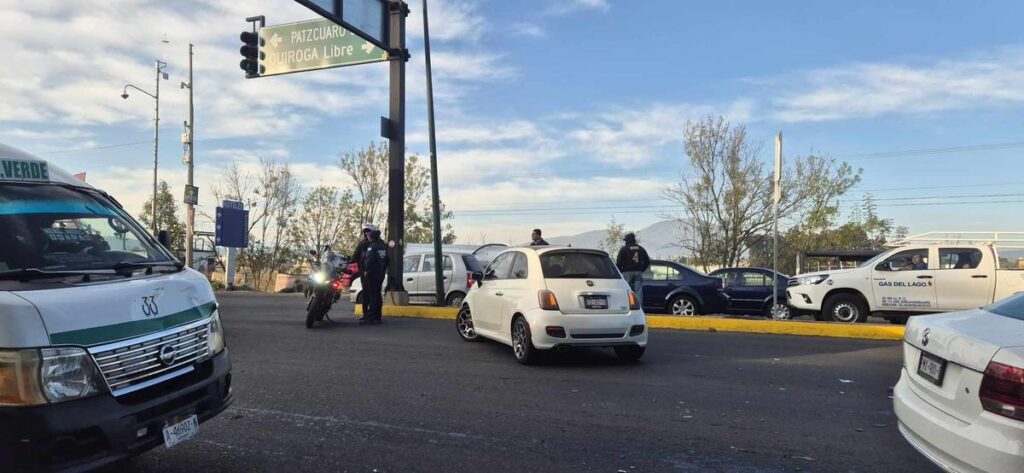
(812, 280)
(33, 377)
(215, 337)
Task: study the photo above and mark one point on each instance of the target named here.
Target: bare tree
(325, 220)
(614, 233)
(727, 197)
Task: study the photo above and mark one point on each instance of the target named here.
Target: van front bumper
(88, 433)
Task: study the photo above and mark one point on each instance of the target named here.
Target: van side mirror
(164, 238)
(478, 276)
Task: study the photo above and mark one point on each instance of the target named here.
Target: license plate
(931, 368)
(595, 302)
(180, 430)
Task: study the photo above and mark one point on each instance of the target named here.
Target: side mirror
(312, 252)
(164, 237)
(478, 276)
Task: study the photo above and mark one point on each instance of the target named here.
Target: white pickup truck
(934, 272)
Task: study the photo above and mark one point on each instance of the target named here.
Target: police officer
(357, 258)
(633, 261)
(373, 269)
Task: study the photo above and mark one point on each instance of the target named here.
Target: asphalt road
(410, 396)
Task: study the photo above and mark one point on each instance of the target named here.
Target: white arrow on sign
(367, 47)
(275, 40)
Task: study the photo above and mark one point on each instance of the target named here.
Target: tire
(313, 313)
(455, 299)
(900, 320)
(522, 342)
(684, 306)
(845, 308)
(464, 325)
(783, 312)
(630, 353)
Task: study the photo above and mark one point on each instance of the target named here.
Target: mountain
(659, 239)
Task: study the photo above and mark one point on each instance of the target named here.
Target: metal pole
(191, 217)
(396, 153)
(434, 194)
(775, 221)
(156, 146)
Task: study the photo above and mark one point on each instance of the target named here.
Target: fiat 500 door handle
(980, 276)
(499, 293)
(924, 277)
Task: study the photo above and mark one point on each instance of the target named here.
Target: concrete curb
(706, 324)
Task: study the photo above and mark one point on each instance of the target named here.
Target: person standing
(536, 239)
(357, 258)
(373, 269)
(633, 261)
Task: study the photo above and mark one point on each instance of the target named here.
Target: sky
(553, 114)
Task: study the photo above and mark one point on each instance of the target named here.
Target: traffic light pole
(439, 286)
(395, 293)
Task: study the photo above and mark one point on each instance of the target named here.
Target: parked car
(420, 278)
(551, 298)
(677, 289)
(924, 274)
(748, 291)
(960, 397)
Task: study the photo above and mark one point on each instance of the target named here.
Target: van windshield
(55, 228)
(577, 264)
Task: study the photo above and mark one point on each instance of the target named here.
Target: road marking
(298, 418)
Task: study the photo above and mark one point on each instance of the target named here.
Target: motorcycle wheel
(313, 313)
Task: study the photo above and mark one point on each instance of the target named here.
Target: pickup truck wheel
(845, 308)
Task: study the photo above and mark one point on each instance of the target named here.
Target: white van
(108, 345)
(933, 272)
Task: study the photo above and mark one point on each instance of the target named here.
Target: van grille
(135, 364)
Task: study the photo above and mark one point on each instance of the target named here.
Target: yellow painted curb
(708, 324)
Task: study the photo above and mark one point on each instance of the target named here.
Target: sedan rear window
(575, 264)
(1012, 307)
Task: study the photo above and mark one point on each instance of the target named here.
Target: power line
(931, 151)
(94, 148)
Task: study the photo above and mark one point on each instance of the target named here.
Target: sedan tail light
(634, 303)
(1002, 390)
(547, 300)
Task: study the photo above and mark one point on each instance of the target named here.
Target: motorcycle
(324, 289)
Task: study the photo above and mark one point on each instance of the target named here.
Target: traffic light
(251, 53)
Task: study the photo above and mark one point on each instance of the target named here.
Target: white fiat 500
(551, 298)
(960, 399)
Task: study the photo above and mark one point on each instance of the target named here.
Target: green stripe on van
(113, 333)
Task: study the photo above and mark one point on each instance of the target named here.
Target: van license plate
(180, 430)
(932, 368)
(595, 302)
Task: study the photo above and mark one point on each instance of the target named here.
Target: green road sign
(191, 195)
(311, 45)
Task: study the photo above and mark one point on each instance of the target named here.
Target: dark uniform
(540, 242)
(374, 268)
(357, 257)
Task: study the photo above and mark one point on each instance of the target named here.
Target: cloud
(449, 20)
(481, 134)
(530, 30)
(568, 6)
(49, 135)
(871, 89)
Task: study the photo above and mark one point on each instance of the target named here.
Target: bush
(217, 285)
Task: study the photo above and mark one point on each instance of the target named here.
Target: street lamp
(160, 65)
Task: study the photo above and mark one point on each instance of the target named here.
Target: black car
(673, 288)
(748, 291)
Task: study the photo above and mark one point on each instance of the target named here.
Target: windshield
(1012, 307)
(575, 264)
(873, 259)
(55, 228)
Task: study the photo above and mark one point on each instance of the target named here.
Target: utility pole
(434, 193)
(395, 294)
(191, 212)
(776, 198)
(156, 142)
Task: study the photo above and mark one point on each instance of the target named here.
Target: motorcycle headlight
(319, 277)
(68, 373)
(812, 280)
(215, 337)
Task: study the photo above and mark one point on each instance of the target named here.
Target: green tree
(166, 217)
(325, 218)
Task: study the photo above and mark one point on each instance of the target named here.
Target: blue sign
(232, 225)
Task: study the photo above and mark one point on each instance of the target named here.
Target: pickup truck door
(965, 278)
(904, 282)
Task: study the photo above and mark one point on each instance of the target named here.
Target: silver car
(419, 277)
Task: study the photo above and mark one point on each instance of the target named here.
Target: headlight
(812, 280)
(68, 373)
(215, 337)
(319, 277)
(19, 378)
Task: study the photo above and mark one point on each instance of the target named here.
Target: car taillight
(1002, 390)
(547, 300)
(634, 303)
(469, 280)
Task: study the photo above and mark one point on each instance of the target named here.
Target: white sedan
(550, 298)
(960, 399)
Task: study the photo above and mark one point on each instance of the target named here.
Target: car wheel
(684, 306)
(464, 324)
(629, 353)
(455, 299)
(780, 312)
(522, 342)
(845, 308)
